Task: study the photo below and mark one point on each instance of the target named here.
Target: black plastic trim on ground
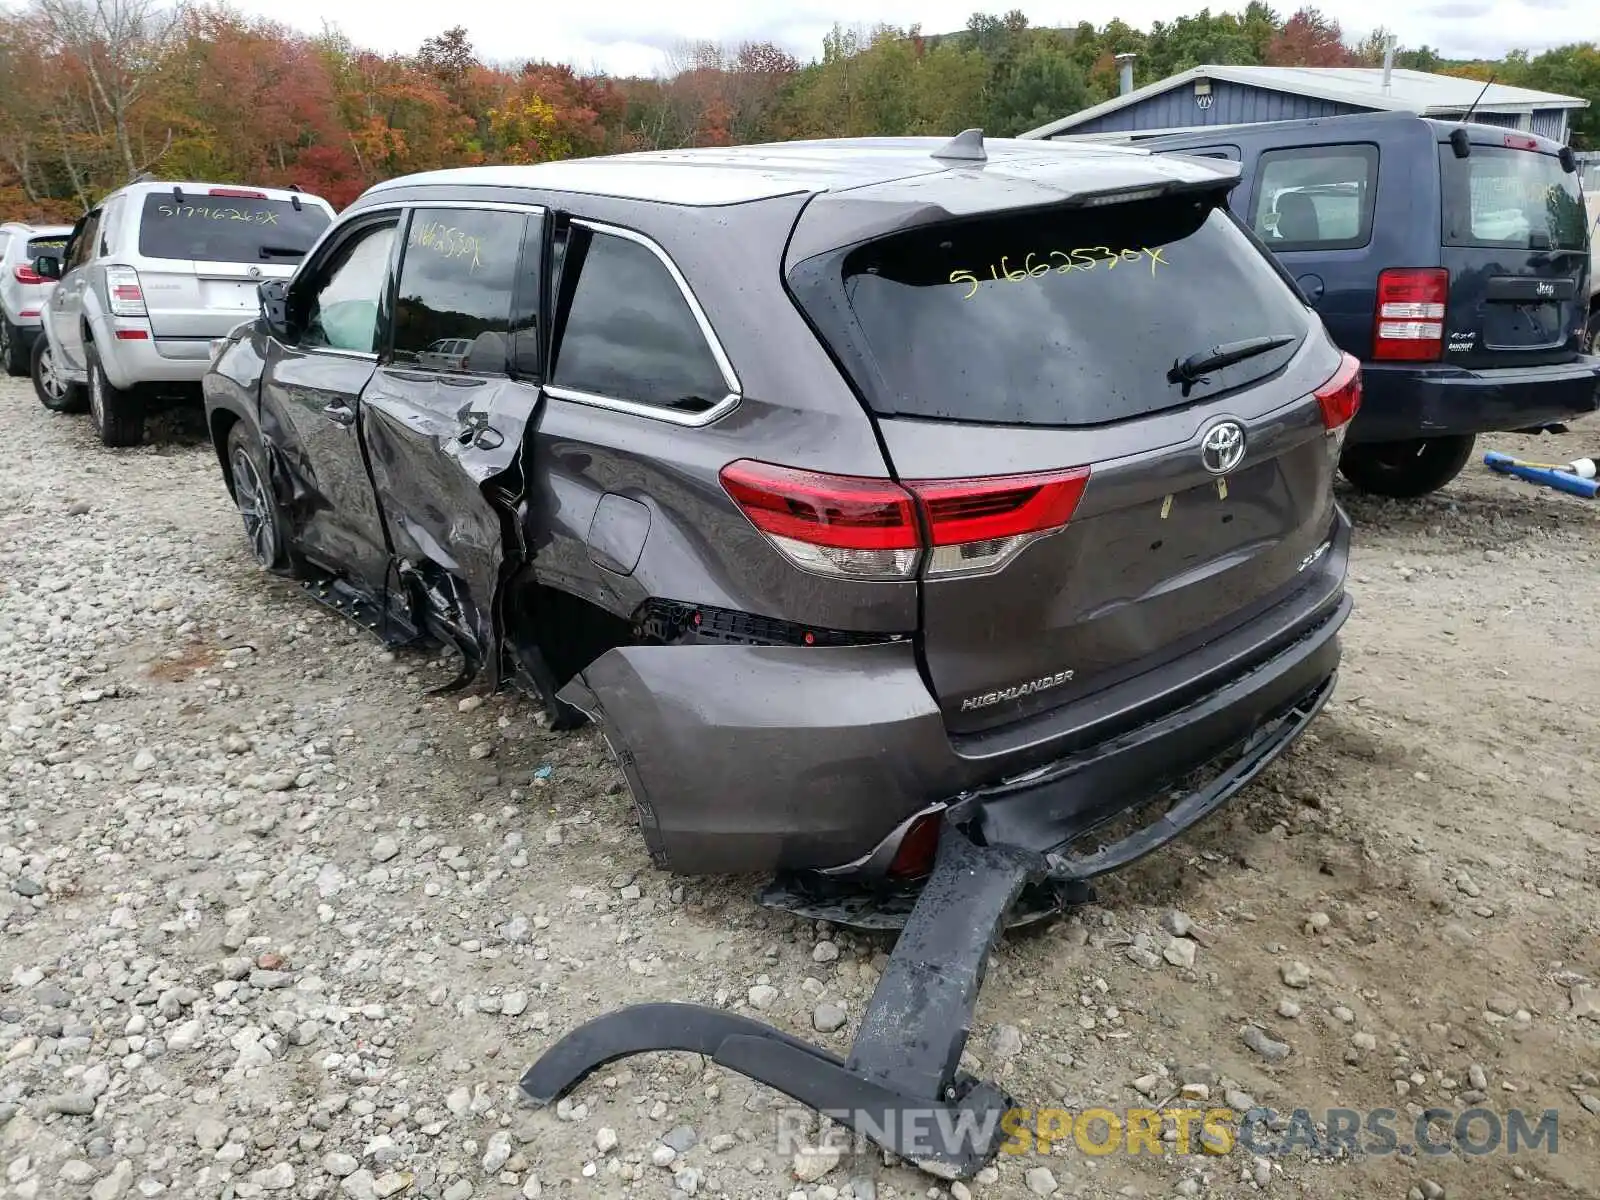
(901, 1086)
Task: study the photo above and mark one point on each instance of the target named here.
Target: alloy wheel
(48, 378)
(255, 508)
(97, 398)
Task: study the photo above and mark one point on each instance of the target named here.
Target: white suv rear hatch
(204, 253)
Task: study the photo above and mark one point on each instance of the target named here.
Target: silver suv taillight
(127, 297)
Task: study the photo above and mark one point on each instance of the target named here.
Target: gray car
(846, 486)
(151, 280)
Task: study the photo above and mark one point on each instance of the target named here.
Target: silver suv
(22, 290)
(152, 279)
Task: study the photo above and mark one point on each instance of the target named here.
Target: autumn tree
(111, 52)
(1309, 39)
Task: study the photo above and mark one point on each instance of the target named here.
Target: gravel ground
(276, 923)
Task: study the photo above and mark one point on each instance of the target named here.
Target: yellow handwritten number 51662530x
(1035, 264)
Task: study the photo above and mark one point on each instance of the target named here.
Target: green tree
(1040, 85)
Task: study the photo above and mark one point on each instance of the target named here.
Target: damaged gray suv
(849, 487)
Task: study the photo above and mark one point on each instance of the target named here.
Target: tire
(117, 413)
(14, 357)
(1591, 338)
(54, 392)
(266, 531)
(1409, 469)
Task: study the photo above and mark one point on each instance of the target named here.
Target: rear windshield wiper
(282, 252)
(1188, 371)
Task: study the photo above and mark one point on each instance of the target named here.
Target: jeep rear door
(1516, 247)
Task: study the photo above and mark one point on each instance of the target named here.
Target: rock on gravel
(1264, 1044)
(1295, 974)
(1041, 1181)
(813, 1162)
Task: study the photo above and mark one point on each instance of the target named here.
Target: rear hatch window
(1066, 317)
(1513, 199)
(1516, 249)
(230, 229)
(51, 245)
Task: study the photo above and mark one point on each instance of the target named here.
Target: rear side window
(232, 229)
(1067, 317)
(629, 332)
(1316, 197)
(453, 306)
(46, 245)
(1518, 199)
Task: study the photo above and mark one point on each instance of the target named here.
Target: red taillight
(1521, 141)
(1340, 397)
(1410, 319)
(240, 193)
(127, 294)
(868, 528)
(915, 854)
(26, 274)
(834, 524)
(977, 525)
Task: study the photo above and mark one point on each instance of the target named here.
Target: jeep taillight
(876, 529)
(26, 274)
(1410, 320)
(1340, 397)
(127, 297)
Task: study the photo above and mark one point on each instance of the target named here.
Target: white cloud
(633, 36)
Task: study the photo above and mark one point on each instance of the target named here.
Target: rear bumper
(788, 758)
(148, 359)
(1402, 402)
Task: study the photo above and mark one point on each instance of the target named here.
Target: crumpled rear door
(442, 450)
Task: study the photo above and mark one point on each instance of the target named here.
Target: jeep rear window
(234, 229)
(1060, 317)
(1520, 199)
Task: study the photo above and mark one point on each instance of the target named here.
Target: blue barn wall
(1242, 104)
(1231, 104)
(1551, 123)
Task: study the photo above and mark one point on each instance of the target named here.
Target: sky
(636, 37)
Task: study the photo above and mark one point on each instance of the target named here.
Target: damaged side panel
(701, 730)
(444, 453)
(308, 426)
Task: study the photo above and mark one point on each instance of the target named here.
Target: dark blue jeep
(1451, 259)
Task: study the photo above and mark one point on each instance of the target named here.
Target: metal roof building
(1221, 95)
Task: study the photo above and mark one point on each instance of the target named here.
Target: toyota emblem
(1222, 447)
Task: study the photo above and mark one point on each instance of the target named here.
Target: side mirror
(47, 266)
(274, 297)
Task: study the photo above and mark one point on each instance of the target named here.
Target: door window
(1316, 197)
(83, 245)
(453, 308)
(108, 225)
(630, 332)
(342, 311)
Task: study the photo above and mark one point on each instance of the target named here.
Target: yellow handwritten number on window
(1036, 263)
